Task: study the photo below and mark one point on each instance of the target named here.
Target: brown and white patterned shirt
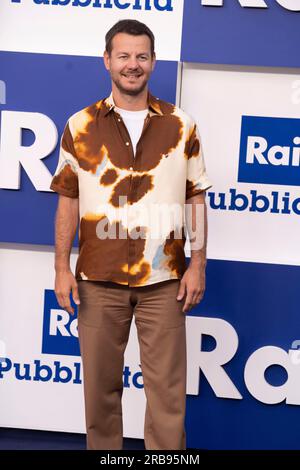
(128, 232)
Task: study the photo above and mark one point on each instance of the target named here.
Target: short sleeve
(65, 178)
(197, 179)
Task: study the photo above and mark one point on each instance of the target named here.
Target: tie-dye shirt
(128, 233)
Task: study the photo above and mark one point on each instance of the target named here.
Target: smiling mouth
(130, 75)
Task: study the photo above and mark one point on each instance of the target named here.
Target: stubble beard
(130, 91)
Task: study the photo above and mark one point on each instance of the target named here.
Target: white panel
(70, 30)
(26, 271)
(217, 97)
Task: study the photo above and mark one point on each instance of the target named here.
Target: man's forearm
(66, 222)
(196, 223)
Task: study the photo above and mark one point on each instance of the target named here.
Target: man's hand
(65, 282)
(193, 285)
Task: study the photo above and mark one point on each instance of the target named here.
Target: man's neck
(129, 102)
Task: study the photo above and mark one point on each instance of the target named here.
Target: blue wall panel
(57, 86)
(232, 34)
(261, 302)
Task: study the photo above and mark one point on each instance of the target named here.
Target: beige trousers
(104, 318)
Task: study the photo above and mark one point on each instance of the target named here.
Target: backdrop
(234, 67)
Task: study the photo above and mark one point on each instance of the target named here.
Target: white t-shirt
(134, 121)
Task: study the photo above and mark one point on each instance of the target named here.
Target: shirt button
(119, 119)
(127, 143)
(131, 168)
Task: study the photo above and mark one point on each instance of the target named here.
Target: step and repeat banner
(234, 67)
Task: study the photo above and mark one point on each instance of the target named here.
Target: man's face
(130, 63)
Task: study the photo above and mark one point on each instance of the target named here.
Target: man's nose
(132, 63)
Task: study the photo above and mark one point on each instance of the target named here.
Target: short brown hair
(134, 27)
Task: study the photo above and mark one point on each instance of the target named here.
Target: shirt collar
(153, 104)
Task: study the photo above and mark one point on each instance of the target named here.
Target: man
(120, 158)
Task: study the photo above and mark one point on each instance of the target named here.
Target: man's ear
(153, 61)
(106, 60)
